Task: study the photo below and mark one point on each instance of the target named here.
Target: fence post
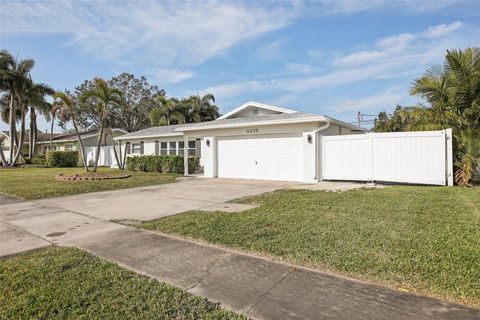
(370, 156)
(449, 155)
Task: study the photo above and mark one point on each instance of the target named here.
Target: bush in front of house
(62, 158)
(164, 164)
(39, 159)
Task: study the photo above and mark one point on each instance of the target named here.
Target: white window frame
(170, 148)
(135, 146)
(164, 151)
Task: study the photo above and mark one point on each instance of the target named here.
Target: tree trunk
(51, 131)
(31, 133)
(97, 155)
(119, 162)
(35, 134)
(21, 140)
(82, 147)
(13, 129)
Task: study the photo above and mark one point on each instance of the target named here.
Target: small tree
(105, 97)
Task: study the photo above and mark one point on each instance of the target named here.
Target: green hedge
(40, 159)
(165, 164)
(62, 158)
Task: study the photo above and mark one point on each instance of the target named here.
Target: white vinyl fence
(107, 158)
(407, 157)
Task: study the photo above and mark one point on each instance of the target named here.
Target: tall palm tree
(169, 110)
(105, 97)
(67, 106)
(14, 81)
(35, 100)
(55, 108)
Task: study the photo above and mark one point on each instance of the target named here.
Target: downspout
(317, 160)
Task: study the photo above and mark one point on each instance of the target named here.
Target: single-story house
(253, 141)
(69, 142)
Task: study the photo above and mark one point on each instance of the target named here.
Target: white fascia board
(254, 123)
(258, 105)
(174, 134)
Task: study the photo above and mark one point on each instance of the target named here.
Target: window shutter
(156, 148)
(128, 146)
(141, 147)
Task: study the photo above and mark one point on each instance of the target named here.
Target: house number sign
(252, 130)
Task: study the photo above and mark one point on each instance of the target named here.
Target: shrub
(39, 159)
(62, 158)
(164, 164)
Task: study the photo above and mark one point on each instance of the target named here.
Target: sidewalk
(257, 287)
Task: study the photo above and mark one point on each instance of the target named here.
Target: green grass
(35, 183)
(66, 283)
(422, 239)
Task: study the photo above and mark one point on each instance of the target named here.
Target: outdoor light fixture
(309, 138)
(208, 142)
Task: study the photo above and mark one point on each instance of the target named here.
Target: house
(253, 141)
(69, 142)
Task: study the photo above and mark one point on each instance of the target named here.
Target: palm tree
(54, 109)
(453, 92)
(35, 99)
(67, 106)
(167, 112)
(14, 81)
(105, 97)
(199, 109)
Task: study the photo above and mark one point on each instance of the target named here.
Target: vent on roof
(255, 111)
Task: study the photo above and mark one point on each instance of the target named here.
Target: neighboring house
(69, 142)
(253, 141)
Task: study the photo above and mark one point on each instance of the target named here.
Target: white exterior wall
(209, 156)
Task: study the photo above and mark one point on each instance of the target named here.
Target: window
(181, 146)
(191, 148)
(172, 150)
(136, 147)
(163, 148)
(69, 147)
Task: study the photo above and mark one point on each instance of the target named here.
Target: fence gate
(423, 157)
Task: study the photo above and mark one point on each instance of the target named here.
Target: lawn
(66, 283)
(35, 183)
(421, 239)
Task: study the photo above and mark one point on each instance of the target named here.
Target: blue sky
(326, 57)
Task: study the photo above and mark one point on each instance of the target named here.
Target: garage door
(265, 157)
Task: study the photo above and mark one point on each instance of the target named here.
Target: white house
(253, 141)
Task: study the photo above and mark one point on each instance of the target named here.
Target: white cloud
(442, 30)
(170, 76)
(384, 100)
(271, 50)
(402, 56)
(300, 68)
(175, 33)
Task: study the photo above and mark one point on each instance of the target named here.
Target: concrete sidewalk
(254, 286)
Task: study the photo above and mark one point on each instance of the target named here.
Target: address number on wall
(252, 130)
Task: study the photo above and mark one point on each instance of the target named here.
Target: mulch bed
(91, 176)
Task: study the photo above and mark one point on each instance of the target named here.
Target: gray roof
(267, 117)
(154, 131)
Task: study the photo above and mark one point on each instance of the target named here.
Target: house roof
(255, 105)
(67, 137)
(227, 121)
(164, 131)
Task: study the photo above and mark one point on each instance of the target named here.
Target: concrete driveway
(152, 202)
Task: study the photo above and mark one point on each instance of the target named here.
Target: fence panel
(405, 157)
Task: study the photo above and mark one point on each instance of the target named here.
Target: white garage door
(265, 157)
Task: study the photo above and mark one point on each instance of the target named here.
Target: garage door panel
(276, 157)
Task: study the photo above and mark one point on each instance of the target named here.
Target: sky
(325, 57)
